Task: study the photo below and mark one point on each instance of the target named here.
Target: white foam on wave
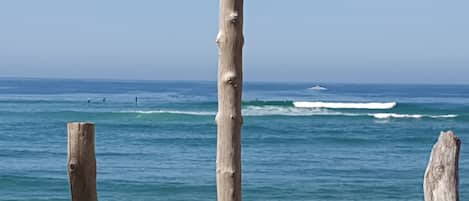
(257, 111)
(175, 112)
(289, 111)
(338, 105)
(415, 116)
(318, 88)
(295, 111)
(394, 115)
(445, 116)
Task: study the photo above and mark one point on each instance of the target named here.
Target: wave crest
(339, 105)
(415, 116)
(175, 112)
(295, 111)
(290, 111)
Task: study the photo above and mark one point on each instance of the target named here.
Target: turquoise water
(163, 146)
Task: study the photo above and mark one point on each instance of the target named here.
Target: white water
(290, 111)
(318, 88)
(338, 105)
(176, 112)
(297, 111)
(256, 111)
(416, 116)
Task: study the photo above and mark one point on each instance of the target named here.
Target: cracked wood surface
(441, 181)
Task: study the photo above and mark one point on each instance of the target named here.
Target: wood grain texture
(81, 161)
(441, 181)
(229, 120)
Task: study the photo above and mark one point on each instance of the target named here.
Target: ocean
(351, 142)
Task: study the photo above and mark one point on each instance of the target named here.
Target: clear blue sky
(397, 41)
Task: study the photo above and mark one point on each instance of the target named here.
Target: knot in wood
(234, 17)
(231, 79)
(439, 169)
(226, 172)
(219, 38)
(236, 118)
(72, 167)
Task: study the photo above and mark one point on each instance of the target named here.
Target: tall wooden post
(81, 161)
(229, 120)
(441, 180)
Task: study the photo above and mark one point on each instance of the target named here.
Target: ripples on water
(163, 148)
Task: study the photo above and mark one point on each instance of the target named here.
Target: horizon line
(197, 80)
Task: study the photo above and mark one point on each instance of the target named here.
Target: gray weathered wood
(441, 180)
(230, 83)
(81, 161)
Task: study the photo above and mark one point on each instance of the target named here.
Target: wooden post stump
(81, 161)
(441, 180)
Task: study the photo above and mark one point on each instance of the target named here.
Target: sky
(360, 41)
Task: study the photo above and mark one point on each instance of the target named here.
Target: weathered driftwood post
(441, 177)
(230, 42)
(81, 161)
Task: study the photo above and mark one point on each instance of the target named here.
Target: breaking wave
(290, 111)
(196, 113)
(293, 111)
(415, 116)
(279, 110)
(256, 111)
(345, 105)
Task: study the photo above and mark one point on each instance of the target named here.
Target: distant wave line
(292, 111)
(196, 113)
(415, 116)
(345, 105)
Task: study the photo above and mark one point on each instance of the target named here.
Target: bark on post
(81, 161)
(441, 180)
(230, 83)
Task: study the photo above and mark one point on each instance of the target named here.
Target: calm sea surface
(163, 147)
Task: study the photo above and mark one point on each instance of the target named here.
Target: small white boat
(318, 88)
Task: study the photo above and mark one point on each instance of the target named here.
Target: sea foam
(338, 105)
(290, 111)
(295, 111)
(415, 116)
(196, 113)
(256, 111)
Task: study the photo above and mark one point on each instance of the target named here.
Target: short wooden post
(82, 161)
(441, 180)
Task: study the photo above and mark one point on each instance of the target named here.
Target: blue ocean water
(163, 147)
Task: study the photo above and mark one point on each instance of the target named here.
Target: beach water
(351, 142)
